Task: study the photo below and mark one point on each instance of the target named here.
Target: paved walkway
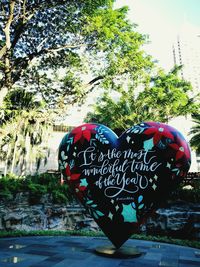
(79, 252)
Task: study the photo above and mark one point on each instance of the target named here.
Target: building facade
(186, 52)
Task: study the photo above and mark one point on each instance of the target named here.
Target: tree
(86, 38)
(195, 132)
(37, 35)
(25, 128)
(39, 38)
(160, 98)
(15, 102)
(168, 96)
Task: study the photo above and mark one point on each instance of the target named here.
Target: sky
(162, 20)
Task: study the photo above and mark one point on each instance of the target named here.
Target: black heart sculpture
(121, 180)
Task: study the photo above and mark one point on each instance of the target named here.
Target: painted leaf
(99, 213)
(141, 206)
(148, 144)
(140, 198)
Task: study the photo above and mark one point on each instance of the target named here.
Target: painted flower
(82, 188)
(70, 176)
(181, 150)
(83, 132)
(158, 131)
(79, 190)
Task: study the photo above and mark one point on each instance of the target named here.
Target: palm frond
(195, 132)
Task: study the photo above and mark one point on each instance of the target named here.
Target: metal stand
(123, 252)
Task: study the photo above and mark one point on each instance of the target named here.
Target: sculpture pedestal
(122, 252)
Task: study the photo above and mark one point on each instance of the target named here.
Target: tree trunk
(5, 53)
(6, 162)
(14, 155)
(3, 93)
(27, 153)
(23, 167)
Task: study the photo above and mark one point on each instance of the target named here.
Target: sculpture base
(123, 252)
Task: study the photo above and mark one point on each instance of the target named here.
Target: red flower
(158, 130)
(181, 150)
(70, 176)
(83, 132)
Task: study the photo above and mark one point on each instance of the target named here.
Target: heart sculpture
(121, 180)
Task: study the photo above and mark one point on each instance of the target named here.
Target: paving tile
(193, 261)
(12, 259)
(42, 246)
(48, 262)
(169, 262)
(43, 264)
(79, 252)
(135, 264)
(20, 260)
(69, 244)
(197, 253)
(76, 256)
(68, 263)
(57, 258)
(143, 247)
(153, 256)
(41, 252)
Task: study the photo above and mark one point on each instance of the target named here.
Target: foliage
(118, 114)
(77, 38)
(162, 239)
(17, 101)
(10, 185)
(25, 128)
(161, 98)
(45, 183)
(195, 132)
(191, 194)
(56, 41)
(37, 186)
(168, 96)
(74, 37)
(20, 99)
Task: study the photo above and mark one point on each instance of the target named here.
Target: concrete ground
(79, 251)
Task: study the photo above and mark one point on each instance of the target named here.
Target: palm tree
(195, 131)
(24, 132)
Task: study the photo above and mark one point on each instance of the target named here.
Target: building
(186, 52)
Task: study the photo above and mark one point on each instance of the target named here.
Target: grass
(162, 239)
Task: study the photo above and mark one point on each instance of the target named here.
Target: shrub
(189, 193)
(37, 186)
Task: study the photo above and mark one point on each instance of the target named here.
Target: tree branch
(24, 9)
(91, 84)
(6, 30)
(25, 17)
(8, 24)
(96, 79)
(49, 50)
(47, 4)
(29, 11)
(63, 47)
(3, 51)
